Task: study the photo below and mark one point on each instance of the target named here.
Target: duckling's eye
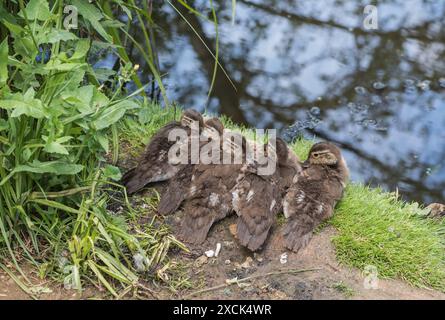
(315, 155)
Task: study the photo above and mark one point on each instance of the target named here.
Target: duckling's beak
(305, 164)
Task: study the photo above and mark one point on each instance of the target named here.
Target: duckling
(437, 210)
(177, 188)
(312, 197)
(153, 165)
(257, 198)
(209, 197)
(289, 165)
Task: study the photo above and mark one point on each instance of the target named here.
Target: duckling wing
(208, 201)
(305, 208)
(257, 209)
(176, 190)
(153, 165)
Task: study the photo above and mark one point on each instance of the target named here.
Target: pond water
(311, 67)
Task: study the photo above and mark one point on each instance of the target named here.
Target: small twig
(289, 271)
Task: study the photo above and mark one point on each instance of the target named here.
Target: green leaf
(56, 146)
(80, 98)
(93, 15)
(24, 104)
(82, 48)
(112, 114)
(15, 29)
(103, 141)
(64, 67)
(56, 35)
(55, 167)
(112, 172)
(4, 62)
(37, 9)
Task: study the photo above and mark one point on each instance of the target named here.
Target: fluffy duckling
(153, 165)
(437, 210)
(314, 194)
(257, 197)
(178, 186)
(209, 197)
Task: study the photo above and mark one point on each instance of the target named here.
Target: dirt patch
(330, 281)
(42, 289)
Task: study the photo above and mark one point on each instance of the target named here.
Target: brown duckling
(314, 194)
(178, 186)
(154, 165)
(437, 210)
(257, 197)
(209, 197)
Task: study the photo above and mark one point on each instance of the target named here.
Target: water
(309, 67)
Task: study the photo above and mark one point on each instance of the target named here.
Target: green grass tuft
(376, 228)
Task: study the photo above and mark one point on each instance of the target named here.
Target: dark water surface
(311, 66)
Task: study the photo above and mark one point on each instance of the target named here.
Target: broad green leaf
(37, 9)
(112, 172)
(4, 62)
(82, 48)
(81, 98)
(25, 104)
(112, 114)
(56, 35)
(92, 15)
(55, 167)
(56, 146)
(100, 100)
(103, 141)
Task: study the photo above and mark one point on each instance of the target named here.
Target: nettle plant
(56, 125)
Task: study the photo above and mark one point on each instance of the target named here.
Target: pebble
(283, 258)
(209, 253)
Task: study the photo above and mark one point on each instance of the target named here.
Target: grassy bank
(375, 228)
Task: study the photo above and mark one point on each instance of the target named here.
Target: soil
(330, 280)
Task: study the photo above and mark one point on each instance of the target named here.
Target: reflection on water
(309, 66)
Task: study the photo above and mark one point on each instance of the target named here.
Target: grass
(374, 227)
